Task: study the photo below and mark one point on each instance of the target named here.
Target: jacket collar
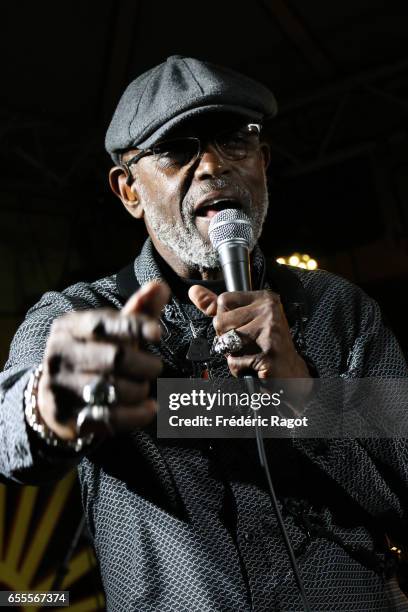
(266, 273)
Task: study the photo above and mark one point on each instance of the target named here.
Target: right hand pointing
(85, 345)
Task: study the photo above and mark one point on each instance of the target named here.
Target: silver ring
(99, 396)
(228, 344)
(99, 392)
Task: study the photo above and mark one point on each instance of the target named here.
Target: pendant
(198, 350)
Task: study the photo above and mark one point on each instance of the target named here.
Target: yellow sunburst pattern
(24, 543)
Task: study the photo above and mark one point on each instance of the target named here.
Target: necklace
(198, 352)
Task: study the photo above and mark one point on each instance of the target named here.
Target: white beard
(185, 240)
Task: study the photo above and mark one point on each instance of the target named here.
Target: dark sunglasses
(171, 155)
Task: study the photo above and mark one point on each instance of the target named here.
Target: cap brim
(170, 125)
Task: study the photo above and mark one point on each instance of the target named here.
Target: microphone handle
(234, 259)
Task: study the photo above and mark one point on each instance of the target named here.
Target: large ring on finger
(228, 343)
(99, 396)
(99, 392)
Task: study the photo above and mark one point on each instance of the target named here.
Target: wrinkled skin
(103, 342)
(170, 196)
(259, 319)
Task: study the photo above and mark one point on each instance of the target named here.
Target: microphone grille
(230, 224)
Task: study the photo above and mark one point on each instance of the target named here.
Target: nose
(211, 164)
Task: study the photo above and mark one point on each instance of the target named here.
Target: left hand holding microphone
(260, 322)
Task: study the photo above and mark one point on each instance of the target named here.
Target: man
(187, 525)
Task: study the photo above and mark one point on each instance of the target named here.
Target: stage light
(294, 260)
(299, 260)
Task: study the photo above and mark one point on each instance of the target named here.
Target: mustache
(218, 184)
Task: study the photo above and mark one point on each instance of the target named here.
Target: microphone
(230, 233)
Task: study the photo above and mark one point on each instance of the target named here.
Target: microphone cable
(263, 460)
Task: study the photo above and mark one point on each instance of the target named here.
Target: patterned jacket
(187, 525)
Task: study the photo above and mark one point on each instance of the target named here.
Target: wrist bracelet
(34, 420)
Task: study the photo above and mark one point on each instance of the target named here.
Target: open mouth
(212, 207)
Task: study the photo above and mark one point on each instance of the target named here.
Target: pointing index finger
(150, 299)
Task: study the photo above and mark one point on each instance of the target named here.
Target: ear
(127, 194)
(266, 154)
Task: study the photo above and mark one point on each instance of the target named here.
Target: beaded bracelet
(34, 419)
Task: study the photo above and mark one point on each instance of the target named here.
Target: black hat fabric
(176, 90)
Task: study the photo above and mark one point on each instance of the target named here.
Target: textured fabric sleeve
(348, 337)
(375, 350)
(345, 333)
(24, 457)
(376, 353)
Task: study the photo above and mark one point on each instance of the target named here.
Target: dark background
(339, 173)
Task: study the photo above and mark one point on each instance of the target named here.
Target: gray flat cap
(176, 90)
